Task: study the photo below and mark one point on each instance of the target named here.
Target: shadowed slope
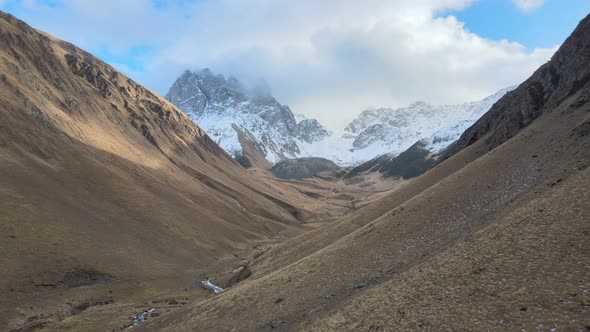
(529, 270)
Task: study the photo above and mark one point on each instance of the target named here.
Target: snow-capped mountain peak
(446, 136)
(388, 131)
(250, 124)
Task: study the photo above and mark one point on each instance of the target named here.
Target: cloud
(327, 59)
(528, 5)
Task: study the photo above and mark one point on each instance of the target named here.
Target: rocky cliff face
(423, 154)
(302, 168)
(250, 125)
(567, 73)
(310, 131)
(383, 134)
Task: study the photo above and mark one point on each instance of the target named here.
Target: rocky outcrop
(410, 163)
(310, 130)
(302, 168)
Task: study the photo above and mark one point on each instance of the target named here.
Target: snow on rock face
(310, 130)
(424, 153)
(401, 128)
(392, 131)
(444, 137)
(223, 108)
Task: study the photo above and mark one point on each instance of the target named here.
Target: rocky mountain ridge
(253, 127)
(566, 74)
(397, 129)
(423, 154)
(385, 133)
(250, 125)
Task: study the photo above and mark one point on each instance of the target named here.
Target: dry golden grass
(352, 273)
(109, 192)
(113, 201)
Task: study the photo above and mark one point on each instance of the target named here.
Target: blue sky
(327, 59)
(545, 26)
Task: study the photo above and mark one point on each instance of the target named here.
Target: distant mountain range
(389, 132)
(253, 127)
(425, 153)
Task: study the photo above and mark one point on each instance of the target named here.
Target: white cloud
(528, 5)
(328, 59)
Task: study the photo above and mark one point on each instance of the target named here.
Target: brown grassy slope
(529, 270)
(566, 74)
(101, 177)
(534, 163)
(487, 190)
(292, 250)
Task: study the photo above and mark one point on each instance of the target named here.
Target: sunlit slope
(104, 181)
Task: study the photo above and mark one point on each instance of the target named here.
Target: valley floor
(105, 304)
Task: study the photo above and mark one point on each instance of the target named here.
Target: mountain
(110, 195)
(541, 93)
(495, 237)
(250, 125)
(386, 131)
(258, 131)
(424, 153)
(117, 207)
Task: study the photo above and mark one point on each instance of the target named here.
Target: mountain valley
(110, 195)
(216, 208)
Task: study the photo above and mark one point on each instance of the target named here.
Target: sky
(328, 59)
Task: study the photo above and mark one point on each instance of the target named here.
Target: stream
(208, 285)
(140, 318)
